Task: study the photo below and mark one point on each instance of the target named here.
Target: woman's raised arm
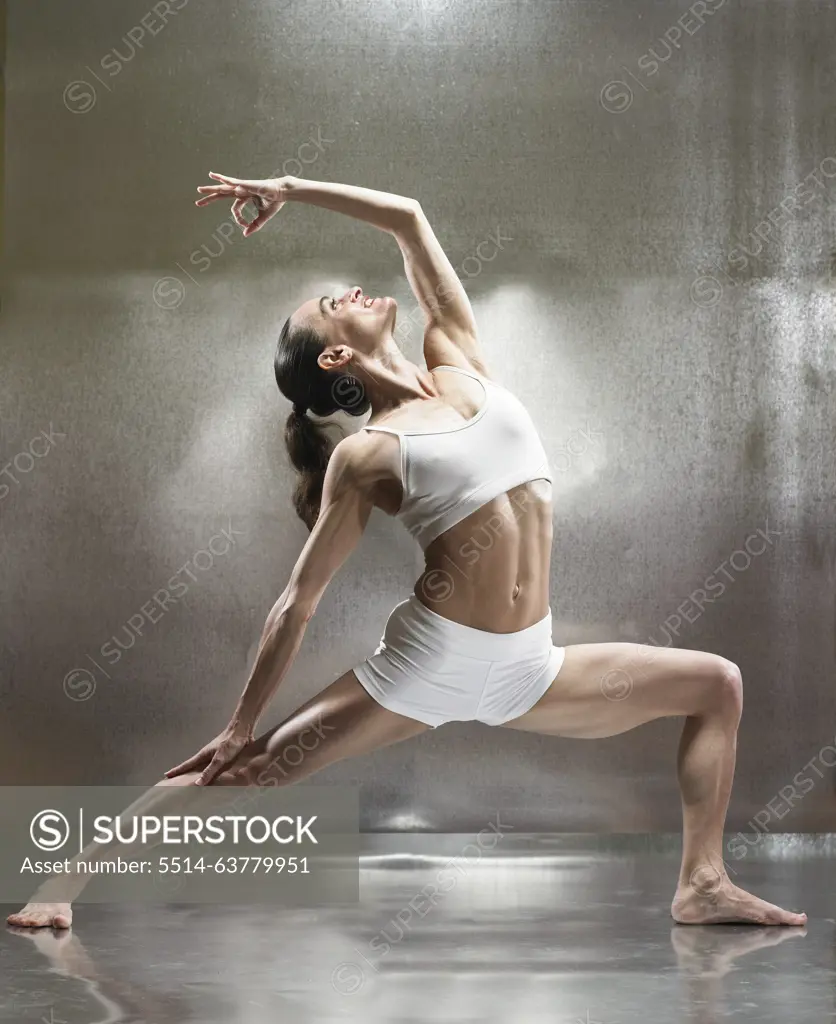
(383, 210)
(450, 328)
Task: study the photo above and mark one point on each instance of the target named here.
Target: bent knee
(724, 684)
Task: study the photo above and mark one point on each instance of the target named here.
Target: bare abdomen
(491, 571)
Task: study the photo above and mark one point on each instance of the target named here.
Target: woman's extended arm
(450, 327)
(383, 210)
(342, 520)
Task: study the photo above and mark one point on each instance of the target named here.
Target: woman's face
(352, 318)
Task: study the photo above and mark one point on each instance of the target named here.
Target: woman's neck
(390, 379)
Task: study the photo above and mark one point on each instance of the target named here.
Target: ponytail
(309, 452)
(309, 387)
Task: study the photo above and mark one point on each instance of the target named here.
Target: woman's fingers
(206, 200)
(225, 177)
(249, 183)
(238, 212)
(241, 196)
(229, 190)
(265, 213)
(210, 773)
(255, 225)
(242, 191)
(225, 190)
(193, 763)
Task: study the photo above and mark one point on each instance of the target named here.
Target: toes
(32, 920)
(777, 915)
(40, 919)
(794, 919)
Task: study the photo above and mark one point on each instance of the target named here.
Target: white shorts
(435, 670)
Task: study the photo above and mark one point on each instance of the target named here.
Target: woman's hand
(218, 754)
(268, 194)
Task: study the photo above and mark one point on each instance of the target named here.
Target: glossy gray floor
(551, 931)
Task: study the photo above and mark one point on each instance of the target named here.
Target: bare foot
(711, 898)
(43, 915)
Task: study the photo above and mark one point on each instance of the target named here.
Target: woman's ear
(335, 357)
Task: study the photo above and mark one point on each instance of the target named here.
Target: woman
(454, 456)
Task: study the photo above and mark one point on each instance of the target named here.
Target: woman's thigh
(341, 721)
(606, 689)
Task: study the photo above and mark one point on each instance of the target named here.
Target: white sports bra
(448, 474)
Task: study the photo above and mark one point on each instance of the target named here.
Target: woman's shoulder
(365, 456)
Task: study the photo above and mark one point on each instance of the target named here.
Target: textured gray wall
(620, 156)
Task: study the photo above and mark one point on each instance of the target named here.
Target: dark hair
(309, 387)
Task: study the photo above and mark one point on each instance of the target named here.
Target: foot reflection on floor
(560, 938)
